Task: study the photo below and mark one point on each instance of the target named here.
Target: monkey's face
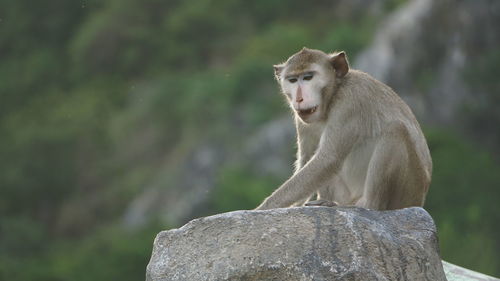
(307, 80)
(304, 89)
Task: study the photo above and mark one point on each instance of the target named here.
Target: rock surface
(457, 273)
(305, 243)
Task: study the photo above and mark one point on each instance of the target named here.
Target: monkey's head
(308, 78)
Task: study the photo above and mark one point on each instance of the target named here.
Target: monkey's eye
(308, 77)
(292, 80)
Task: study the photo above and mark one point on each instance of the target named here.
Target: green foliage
(482, 72)
(350, 38)
(277, 42)
(390, 5)
(463, 199)
(237, 189)
(482, 114)
(114, 247)
(425, 78)
(108, 254)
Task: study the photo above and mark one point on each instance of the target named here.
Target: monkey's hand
(323, 203)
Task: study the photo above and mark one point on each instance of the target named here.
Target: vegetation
(93, 96)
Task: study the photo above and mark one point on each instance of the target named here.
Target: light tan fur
(362, 146)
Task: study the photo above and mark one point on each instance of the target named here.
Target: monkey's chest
(354, 171)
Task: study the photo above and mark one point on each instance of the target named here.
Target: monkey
(359, 144)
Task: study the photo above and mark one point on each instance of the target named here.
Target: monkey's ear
(278, 68)
(340, 64)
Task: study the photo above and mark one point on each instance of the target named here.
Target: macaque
(359, 144)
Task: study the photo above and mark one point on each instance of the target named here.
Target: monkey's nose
(300, 99)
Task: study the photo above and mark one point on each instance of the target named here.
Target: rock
(425, 49)
(304, 243)
(457, 273)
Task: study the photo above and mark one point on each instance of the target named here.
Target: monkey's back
(380, 109)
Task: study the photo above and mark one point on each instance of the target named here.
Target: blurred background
(122, 118)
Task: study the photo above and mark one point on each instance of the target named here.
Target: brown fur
(365, 149)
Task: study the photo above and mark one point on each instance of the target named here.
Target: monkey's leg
(384, 173)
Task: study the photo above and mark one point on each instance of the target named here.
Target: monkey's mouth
(307, 112)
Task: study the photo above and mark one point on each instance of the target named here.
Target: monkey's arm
(326, 162)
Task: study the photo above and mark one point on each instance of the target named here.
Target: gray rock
(427, 38)
(457, 273)
(305, 243)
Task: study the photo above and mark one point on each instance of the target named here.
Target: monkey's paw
(323, 203)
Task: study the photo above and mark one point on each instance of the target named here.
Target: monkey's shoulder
(362, 82)
(365, 91)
